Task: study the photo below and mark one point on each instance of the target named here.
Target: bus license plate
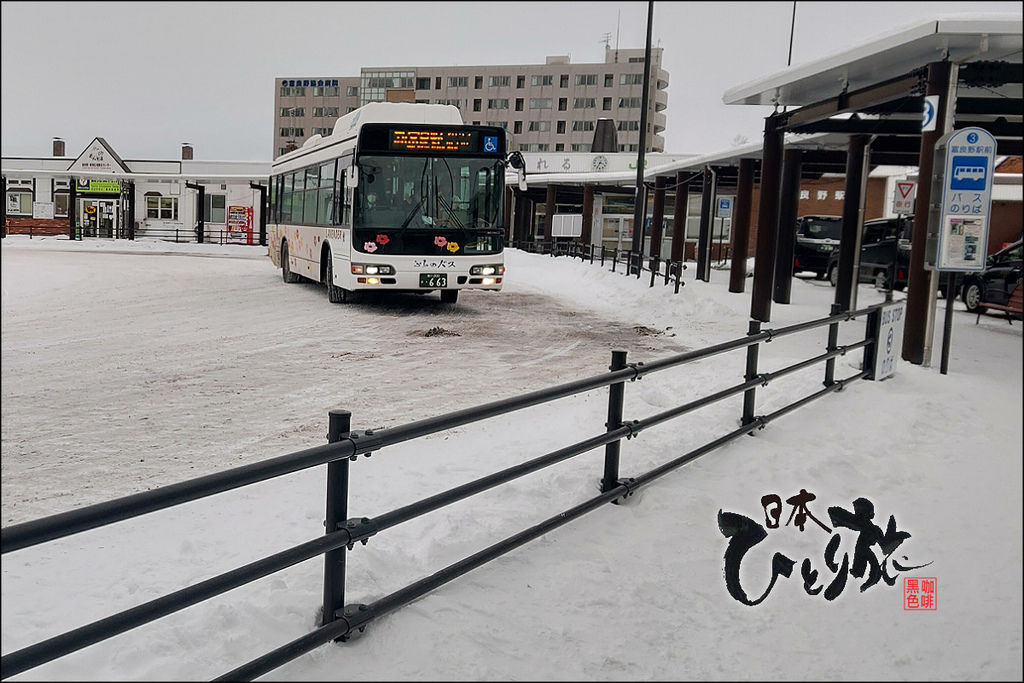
(433, 280)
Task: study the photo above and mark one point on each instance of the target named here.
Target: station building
(100, 194)
(550, 107)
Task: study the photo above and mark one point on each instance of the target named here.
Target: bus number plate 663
(433, 280)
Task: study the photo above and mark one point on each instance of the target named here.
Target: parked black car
(884, 253)
(995, 283)
(816, 237)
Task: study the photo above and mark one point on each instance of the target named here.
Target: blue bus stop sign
(958, 224)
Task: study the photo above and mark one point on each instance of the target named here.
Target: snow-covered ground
(128, 366)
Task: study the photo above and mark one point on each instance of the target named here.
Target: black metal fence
(625, 261)
(339, 620)
(190, 235)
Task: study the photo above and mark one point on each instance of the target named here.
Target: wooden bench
(1014, 305)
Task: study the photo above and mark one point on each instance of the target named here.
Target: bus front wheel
(335, 294)
(449, 296)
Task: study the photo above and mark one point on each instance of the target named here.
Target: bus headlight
(487, 270)
(372, 269)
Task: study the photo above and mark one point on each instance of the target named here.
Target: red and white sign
(904, 196)
(239, 225)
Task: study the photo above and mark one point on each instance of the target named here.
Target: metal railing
(183, 234)
(339, 620)
(632, 263)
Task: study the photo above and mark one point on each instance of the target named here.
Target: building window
(324, 111)
(636, 60)
(582, 125)
(542, 80)
(631, 79)
(609, 80)
(293, 91)
(584, 103)
(325, 91)
(560, 127)
(539, 126)
(454, 103)
(215, 208)
(458, 81)
(349, 110)
(563, 81)
(294, 111)
(536, 147)
(476, 104)
(352, 91)
(19, 203)
(563, 103)
(517, 127)
(437, 83)
(423, 83)
(580, 147)
(519, 104)
(586, 79)
(628, 148)
(520, 81)
(323, 131)
(60, 204)
(629, 102)
(498, 81)
(161, 208)
(559, 147)
(478, 82)
(499, 124)
(540, 103)
(293, 132)
(606, 103)
(628, 125)
(497, 104)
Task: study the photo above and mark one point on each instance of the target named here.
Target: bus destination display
(433, 140)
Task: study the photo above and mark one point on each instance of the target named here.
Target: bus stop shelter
(874, 96)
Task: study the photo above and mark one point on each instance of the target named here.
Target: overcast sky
(148, 76)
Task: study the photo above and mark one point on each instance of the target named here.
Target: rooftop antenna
(618, 20)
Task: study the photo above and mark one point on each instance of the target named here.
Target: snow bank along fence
(632, 262)
(340, 621)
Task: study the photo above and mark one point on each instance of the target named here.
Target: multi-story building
(550, 107)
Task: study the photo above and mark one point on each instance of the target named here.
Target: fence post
(337, 512)
(611, 451)
(615, 257)
(679, 269)
(748, 395)
(591, 254)
(654, 271)
(833, 339)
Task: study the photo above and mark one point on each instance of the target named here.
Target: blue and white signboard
(959, 226)
(724, 207)
(888, 340)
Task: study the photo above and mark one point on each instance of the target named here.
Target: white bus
(400, 197)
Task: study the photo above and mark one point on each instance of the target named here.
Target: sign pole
(947, 327)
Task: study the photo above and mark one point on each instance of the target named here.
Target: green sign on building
(100, 186)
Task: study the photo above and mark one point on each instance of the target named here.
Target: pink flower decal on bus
(440, 241)
(453, 247)
(383, 239)
(370, 247)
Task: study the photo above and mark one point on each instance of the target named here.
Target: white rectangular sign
(724, 207)
(567, 225)
(42, 209)
(904, 196)
(890, 339)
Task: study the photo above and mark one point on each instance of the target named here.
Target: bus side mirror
(516, 161)
(352, 177)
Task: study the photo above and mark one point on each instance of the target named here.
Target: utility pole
(639, 208)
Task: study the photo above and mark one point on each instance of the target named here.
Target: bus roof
(379, 112)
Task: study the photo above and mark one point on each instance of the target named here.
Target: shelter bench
(1014, 305)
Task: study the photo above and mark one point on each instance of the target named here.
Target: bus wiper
(415, 210)
(451, 212)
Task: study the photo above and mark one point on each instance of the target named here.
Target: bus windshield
(424, 193)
